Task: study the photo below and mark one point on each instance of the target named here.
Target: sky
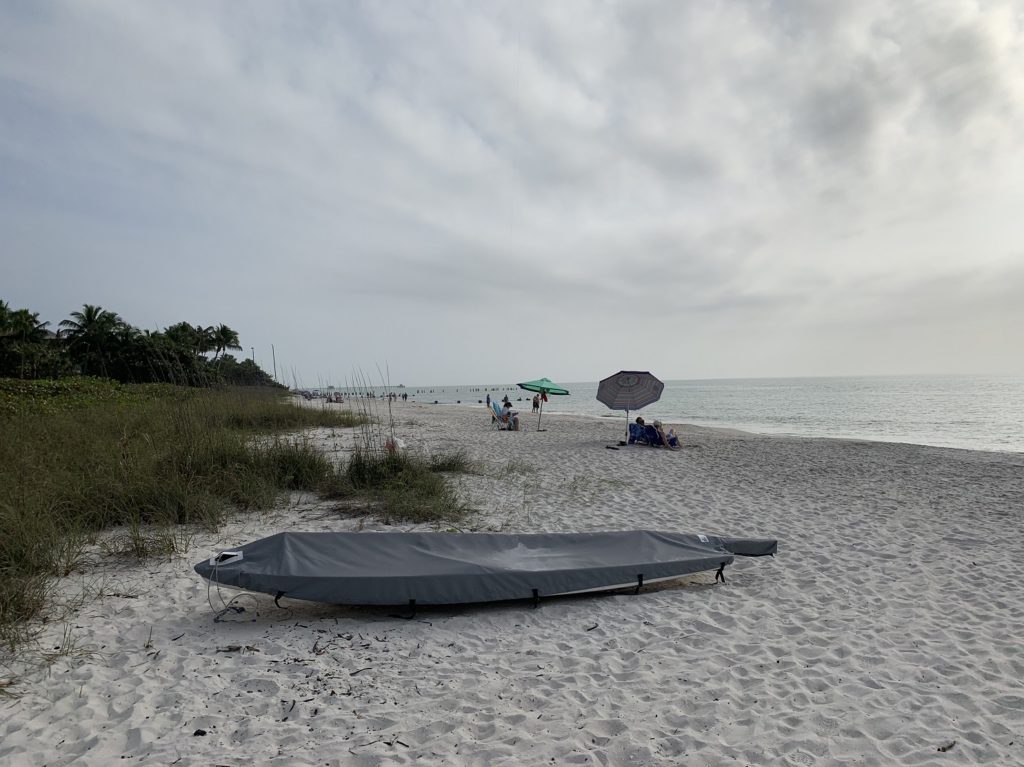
(444, 192)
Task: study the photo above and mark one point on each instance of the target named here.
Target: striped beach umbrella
(629, 390)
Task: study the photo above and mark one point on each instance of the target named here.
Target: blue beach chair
(499, 419)
(636, 434)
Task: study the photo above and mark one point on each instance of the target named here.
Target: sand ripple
(887, 628)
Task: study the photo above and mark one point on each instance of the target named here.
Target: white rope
(227, 606)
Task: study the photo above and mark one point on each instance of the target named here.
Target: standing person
(536, 402)
(505, 400)
(488, 399)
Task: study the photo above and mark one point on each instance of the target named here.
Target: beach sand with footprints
(885, 632)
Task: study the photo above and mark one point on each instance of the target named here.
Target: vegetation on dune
(40, 397)
(408, 488)
(107, 427)
(83, 455)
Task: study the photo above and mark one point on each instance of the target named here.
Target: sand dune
(886, 632)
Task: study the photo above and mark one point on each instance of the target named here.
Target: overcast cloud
(477, 192)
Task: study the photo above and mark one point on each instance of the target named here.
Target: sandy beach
(886, 632)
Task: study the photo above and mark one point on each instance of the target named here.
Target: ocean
(973, 412)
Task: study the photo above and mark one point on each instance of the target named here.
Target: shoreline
(885, 629)
(728, 430)
(965, 412)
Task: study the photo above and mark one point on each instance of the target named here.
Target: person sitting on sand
(511, 417)
(669, 442)
(636, 432)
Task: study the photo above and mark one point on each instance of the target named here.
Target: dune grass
(407, 488)
(86, 455)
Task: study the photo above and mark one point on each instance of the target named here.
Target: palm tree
(205, 341)
(5, 317)
(27, 332)
(26, 327)
(224, 338)
(195, 339)
(92, 320)
(6, 341)
(88, 334)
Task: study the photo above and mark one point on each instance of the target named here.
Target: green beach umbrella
(542, 386)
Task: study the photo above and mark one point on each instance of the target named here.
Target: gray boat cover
(454, 568)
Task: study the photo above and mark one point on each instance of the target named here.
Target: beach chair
(508, 422)
(651, 436)
(636, 434)
(498, 419)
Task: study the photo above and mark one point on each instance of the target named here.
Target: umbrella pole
(540, 413)
(627, 425)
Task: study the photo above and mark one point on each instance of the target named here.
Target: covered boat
(452, 568)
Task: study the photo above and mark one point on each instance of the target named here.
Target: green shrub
(83, 455)
(408, 486)
(454, 462)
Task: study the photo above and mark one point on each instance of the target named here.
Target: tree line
(98, 342)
